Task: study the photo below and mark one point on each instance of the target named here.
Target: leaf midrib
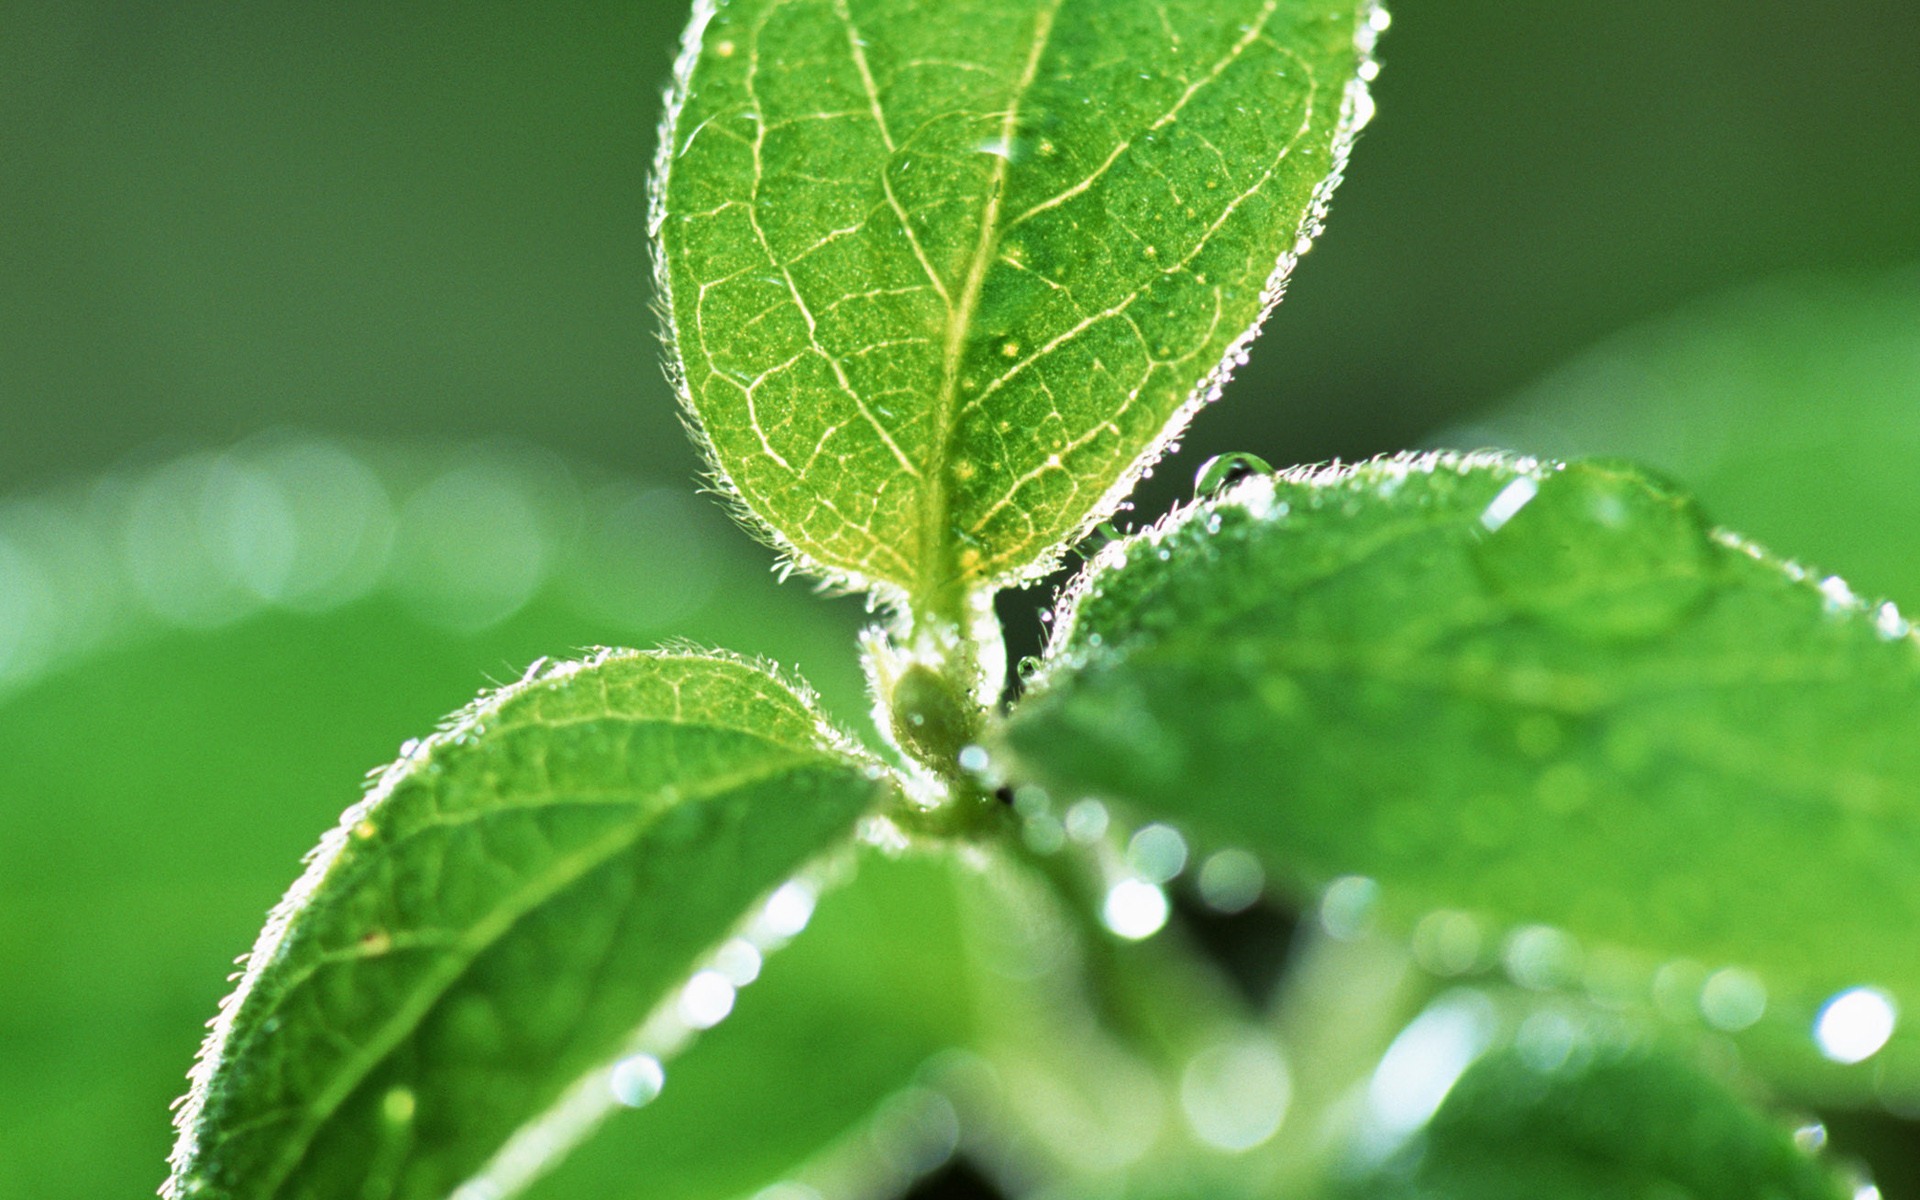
(938, 549)
(408, 1016)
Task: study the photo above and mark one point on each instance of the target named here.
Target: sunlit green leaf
(500, 915)
(1548, 701)
(943, 274)
(1597, 1124)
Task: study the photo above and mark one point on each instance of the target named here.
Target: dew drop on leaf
(1222, 471)
(637, 1080)
(1854, 1025)
(1598, 549)
(1231, 881)
(1733, 999)
(1134, 909)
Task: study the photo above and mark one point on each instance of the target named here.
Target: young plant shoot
(1605, 814)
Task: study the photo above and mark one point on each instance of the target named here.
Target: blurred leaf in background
(1792, 408)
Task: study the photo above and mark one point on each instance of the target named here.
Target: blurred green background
(418, 232)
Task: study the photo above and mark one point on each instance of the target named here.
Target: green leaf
(1603, 1123)
(497, 918)
(1515, 694)
(943, 277)
(879, 984)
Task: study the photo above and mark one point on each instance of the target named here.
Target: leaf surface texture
(942, 275)
(1545, 705)
(499, 917)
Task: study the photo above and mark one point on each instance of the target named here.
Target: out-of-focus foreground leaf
(160, 777)
(1792, 409)
(1596, 1123)
(480, 934)
(943, 275)
(1525, 701)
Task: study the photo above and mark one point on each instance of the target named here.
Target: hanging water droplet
(1087, 821)
(1449, 942)
(1235, 1094)
(786, 913)
(1222, 471)
(1732, 1000)
(1134, 909)
(637, 1080)
(1231, 881)
(706, 999)
(739, 960)
(1043, 833)
(1811, 1138)
(1157, 853)
(1855, 1024)
(1541, 958)
(1346, 907)
(1889, 624)
(1599, 549)
(1028, 667)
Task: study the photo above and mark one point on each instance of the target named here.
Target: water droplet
(1542, 958)
(706, 999)
(1839, 598)
(1598, 549)
(1087, 821)
(1448, 942)
(915, 1132)
(1811, 1138)
(1043, 833)
(1157, 853)
(1231, 881)
(1547, 1039)
(1028, 667)
(739, 960)
(637, 1080)
(972, 758)
(1346, 907)
(1889, 624)
(1235, 1095)
(786, 913)
(1855, 1024)
(1222, 471)
(1134, 909)
(1512, 498)
(1732, 1000)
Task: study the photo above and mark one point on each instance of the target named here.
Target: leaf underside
(1523, 693)
(500, 915)
(942, 275)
